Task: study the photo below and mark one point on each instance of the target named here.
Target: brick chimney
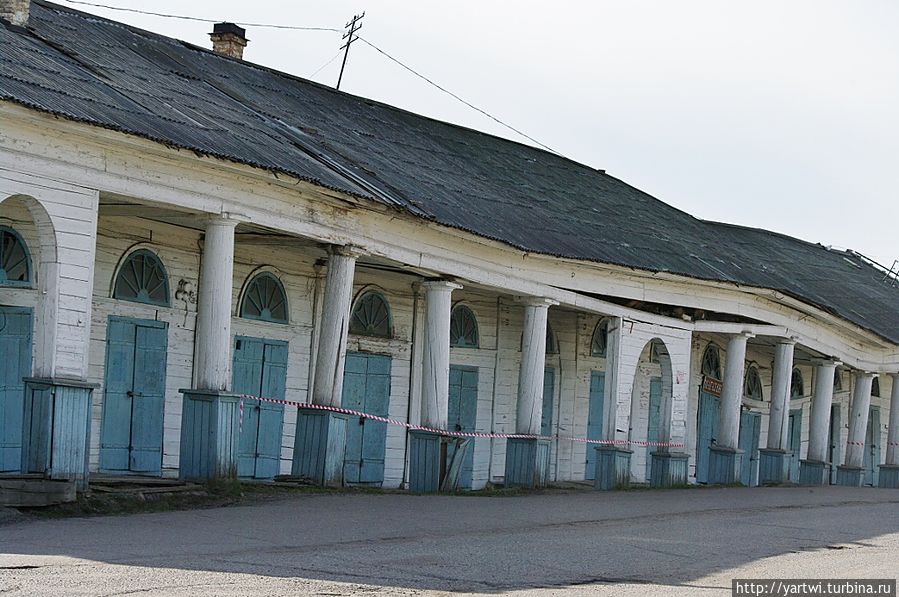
(15, 11)
(227, 39)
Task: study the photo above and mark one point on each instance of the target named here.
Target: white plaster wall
(484, 306)
(69, 215)
(634, 339)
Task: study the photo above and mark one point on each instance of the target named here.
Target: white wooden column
(436, 354)
(819, 419)
(732, 393)
(780, 394)
(612, 380)
(213, 339)
(893, 433)
(533, 362)
(858, 420)
(328, 382)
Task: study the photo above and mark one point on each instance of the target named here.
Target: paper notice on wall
(680, 377)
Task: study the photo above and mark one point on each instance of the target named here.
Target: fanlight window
(463, 328)
(15, 264)
(552, 345)
(265, 299)
(600, 343)
(142, 279)
(797, 385)
(371, 316)
(752, 389)
(711, 363)
(875, 387)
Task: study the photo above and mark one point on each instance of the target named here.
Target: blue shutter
(594, 420)
(708, 427)
(115, 439)
(15, 364)
(655, 413)
(148, 401)
(366, 387)
(463, 414)
(549, 390)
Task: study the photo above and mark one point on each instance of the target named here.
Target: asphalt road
(679, 542)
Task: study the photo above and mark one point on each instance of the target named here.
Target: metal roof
(104, 73)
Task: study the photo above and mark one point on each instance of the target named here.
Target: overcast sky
(780, 115)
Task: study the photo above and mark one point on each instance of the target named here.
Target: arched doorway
(651, 402)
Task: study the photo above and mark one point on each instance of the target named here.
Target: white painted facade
(84, 198)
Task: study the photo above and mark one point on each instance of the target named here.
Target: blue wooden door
(655, 414)
(260, 369)
(833, 453)
(707, 429)
(131, 428)
(794, 443)
(594, 420)
(750, 430)
(463, 414)
(872, 447)
(15, 364)
(366, 388)
(549, 392)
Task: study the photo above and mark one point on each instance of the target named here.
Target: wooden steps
(34, 491)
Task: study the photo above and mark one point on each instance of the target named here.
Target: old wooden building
(183, 231)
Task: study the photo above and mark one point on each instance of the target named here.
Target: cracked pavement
(559, 542)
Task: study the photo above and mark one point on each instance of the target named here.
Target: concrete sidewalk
(558, 542)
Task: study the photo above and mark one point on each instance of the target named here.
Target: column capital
(827, 363)
(345, 251)
(894, 375)
(440, 285)
(862, 373)
(536, 301)
(226, 218)
(790, 341)
(745, 333)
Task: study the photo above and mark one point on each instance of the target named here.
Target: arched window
(265, 299)
(371, 316)
(752, 388)
(600, 342)
(463, 328)
(552, 345)
(142, 279)
(15, 263)
(875, 387)
(711, 362)
(797, 385)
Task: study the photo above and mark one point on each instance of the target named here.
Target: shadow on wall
(551, 539)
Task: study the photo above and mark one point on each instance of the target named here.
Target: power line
(186, 18)
(326, 64)
(344, 48)
(453, 95)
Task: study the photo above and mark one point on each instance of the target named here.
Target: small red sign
(712, 386)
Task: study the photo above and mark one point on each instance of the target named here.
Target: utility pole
(350, 36)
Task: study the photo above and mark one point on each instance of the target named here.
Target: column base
(527, 462)
(669, 469)
(613, 468)
(427, 458)
(888, 476)
(814, 472)
(771, 466)
(724, 465)
(850, 476)
(210, 428)
(320, 446)
(56, 429)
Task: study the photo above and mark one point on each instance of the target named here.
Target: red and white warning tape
(410, 426)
